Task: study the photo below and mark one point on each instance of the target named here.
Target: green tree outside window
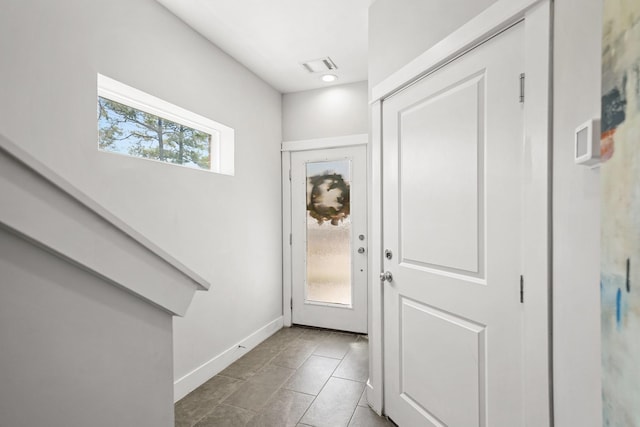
(127, 130)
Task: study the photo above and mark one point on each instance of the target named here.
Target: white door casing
(304, 310)
(453, 153)
(536, 363)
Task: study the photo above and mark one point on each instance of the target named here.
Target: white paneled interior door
(329, 244)
(452, 225)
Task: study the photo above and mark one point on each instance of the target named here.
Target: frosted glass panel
(328, 232)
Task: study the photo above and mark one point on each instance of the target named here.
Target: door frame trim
(287, 148)
(538, 356)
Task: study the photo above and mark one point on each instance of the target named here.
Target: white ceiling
(274, 37)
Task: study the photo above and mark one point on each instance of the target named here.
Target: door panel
(329, 246)
(452, 165)
(440, 139)
(452, 341)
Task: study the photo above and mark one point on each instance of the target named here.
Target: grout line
(239, 407)
(289, 342)
(224, 376)
(322, 388)
(296, 391)
(353, 413)
(216, 404)
(205, 415)
(311, 404)
(280, 387)
(347, 379)
(328, 357)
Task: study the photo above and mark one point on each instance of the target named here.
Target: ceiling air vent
(320, 65)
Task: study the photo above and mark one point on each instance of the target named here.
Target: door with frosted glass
(329, 241)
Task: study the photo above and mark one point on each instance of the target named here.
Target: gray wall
(321, 113)
(576, 217)
(225, 228)
(71, 345)
(400, 30)
(410, 27)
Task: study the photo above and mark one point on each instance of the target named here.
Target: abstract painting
(620, 243)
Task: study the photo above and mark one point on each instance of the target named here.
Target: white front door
(329, 242)
(452, 209)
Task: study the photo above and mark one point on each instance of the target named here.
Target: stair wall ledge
(48, 211)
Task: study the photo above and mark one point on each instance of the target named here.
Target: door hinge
(521, 289)
(291, 303)
(290, 239)
(521, 88)
(289, 174)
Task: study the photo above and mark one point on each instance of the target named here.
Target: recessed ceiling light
(328, 78)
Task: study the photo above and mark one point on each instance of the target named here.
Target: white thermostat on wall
(587, 143)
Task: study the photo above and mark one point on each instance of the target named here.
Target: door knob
(386, 276)
(360, 250)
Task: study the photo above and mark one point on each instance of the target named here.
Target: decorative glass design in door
(328, 275)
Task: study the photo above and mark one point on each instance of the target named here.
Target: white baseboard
(209, 369)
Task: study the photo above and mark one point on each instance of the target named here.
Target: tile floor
(297, 377)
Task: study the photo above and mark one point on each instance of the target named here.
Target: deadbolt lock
(388, 254)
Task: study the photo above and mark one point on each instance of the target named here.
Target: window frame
(223, 137)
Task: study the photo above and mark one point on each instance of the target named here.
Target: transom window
(134, 123)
